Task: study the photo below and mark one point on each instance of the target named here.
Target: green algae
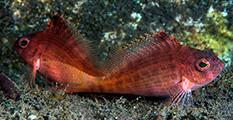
(215, 36)
(213, 101)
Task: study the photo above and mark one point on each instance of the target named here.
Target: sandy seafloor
(117, 22)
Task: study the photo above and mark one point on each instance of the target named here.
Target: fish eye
(202, 64)
(23, 42)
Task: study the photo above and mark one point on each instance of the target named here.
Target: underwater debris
(9, 88)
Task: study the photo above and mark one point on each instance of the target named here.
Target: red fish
(159, 66)
(153, 66)
(60, 53)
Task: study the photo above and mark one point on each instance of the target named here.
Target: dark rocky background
(203, 24)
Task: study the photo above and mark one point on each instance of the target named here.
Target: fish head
(202, 67)
(29, 47)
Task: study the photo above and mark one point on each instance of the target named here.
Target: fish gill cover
(113, 22)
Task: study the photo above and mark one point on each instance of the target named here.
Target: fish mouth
(218, 68)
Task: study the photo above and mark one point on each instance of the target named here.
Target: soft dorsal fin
(152, 44)
(68, 37)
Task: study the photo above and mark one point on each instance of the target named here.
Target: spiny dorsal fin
(70, 36)
(152, 44)
(157, 42)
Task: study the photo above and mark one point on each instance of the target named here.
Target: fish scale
(160, 67)
(155, 65)
(153, 76)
